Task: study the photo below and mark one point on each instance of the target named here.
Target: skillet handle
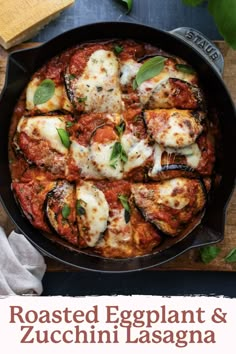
(202, 44)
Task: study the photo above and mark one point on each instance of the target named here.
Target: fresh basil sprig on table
(129, 4)
(193, 2)
(44, 92)
(64, 136)
(208, 253)
(148, 70)
(231, 257)
(224, 14)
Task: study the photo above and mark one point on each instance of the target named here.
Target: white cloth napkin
(22, 267)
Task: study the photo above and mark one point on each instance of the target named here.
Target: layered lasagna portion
(112, 148)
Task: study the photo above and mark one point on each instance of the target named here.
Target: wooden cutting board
(190, 260)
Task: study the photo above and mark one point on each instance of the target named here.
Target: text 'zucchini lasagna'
(112, 149)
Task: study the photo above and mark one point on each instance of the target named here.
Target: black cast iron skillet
(182, 42)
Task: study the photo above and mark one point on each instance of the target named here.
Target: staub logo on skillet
(203, 44)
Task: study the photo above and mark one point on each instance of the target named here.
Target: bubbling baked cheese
(114, 167)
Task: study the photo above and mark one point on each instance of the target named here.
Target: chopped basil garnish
(69, 124)
(44, 92)
(117, 153)
(99, 88)
(116, 150)
(124, 201)
(80, 204)
(113, 164)
(123, 156)
(118, 49)
(231, 257)
(65, 211)
(185, 68)
(120, 128)
(148, 70)
(64, 136)
(208, 253)
(82, 99)
(71, 76)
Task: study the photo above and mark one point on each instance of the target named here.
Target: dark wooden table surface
(163, 14)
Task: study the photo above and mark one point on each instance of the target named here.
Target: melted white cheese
(94, 221)
(44, 128)
(158, 150)
(175, 201)
(82, 159)
(137, 150)
(118, 232)
(177, 129)
(191, 152)
(99, 83)
(58, 101)
(128, 71)
(148, 87)
(101, 157)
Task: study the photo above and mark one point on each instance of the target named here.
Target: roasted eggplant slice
(58, 99)
(31, 197)
(175, 93)
(44, 141)
(107, 153)
(174, 128)
(92, 213)
(198, 157)
(135, 142)
(145, 235)
(97, 88)
(118, 237)
(60, 211)
(170, 204)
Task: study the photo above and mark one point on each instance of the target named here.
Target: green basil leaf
(185, 68)
(44, 92)
(208, 253)
(80, 210)
(148, 70)
(64, 136)
(65, 211)
(113, 164)
(129, 4)
(118, 49)
(116, 151)
(224, 14)
(69, 124)
(82, 99)
(120, 128)
(231, 257)
(193, 2)
(124, 201)
(123, 155)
